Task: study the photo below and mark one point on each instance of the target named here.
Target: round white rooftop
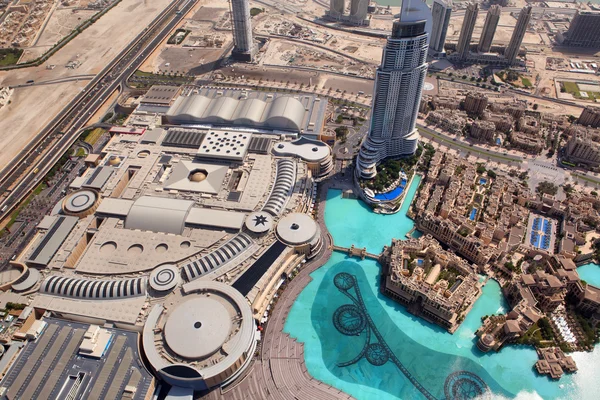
(297, 229)
(259, 222)
(79, 201)
(164, 278)
(197, 328)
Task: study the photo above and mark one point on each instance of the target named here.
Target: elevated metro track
(18, 179)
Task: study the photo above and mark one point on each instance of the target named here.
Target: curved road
(55, 139)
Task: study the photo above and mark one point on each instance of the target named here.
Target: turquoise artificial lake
(430, 355)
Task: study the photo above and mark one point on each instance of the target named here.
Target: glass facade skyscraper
(398, 86)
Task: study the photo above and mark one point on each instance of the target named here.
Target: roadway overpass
(55, 139)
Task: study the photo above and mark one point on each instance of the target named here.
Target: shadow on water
(413, 377)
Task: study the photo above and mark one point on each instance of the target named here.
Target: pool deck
(279, 373)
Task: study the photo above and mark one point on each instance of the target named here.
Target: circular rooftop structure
(205, 339)
(19, 277)
(164, 278)
(259, 222)
(198, 175)
(80, 203)
(297, 229)
(114, 160)
(198, 327)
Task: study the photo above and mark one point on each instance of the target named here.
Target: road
(462, 147)
(62, 132)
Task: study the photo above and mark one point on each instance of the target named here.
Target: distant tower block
(441, 11)
(336, 7)
(466, 32)
(358, 10)
(489, 29)
(243, 46)
(512, 50)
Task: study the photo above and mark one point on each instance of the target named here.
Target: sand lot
(61, 23)
(33, 107)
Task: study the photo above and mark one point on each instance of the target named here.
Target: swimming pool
(429, 354)
(394, 194)
(590, 273)
(473, 214)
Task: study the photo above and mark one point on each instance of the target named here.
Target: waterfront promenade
(279, 371)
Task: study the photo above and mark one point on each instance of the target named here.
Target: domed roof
(198, 176)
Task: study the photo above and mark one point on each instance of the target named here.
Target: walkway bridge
(354, 251)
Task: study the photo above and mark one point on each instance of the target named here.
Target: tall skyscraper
(584, 30)
(518, 34)
(358, 9)
(489, 29)
(243, 46)
(466, 32)
(336, 7)
(398, 86)
(440, 11)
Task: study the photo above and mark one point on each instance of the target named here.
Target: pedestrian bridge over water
(354, 251)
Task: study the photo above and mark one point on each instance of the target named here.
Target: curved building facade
(284, 183)
(204, 340)
(219, 257)
(316, 154)
(104, 289)
(398, 87)
(301, 232)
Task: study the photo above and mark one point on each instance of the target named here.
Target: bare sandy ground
(33, 107)
(61, 23)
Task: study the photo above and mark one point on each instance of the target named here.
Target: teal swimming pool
(590, 273)
(370, 347)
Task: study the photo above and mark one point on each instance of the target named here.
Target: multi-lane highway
(55, 139)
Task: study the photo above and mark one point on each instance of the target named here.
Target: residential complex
(583, 146)
(590, 116)
(432, 283)
(475, 103)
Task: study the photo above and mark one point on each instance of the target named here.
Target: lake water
(418, 360)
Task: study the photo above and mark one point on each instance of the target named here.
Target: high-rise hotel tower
(398, 86)
(243, 47)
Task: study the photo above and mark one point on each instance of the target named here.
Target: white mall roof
(282, 113)
(198, 327)
(307, 149)
(215, 218)
(297, 229)
(225, 145)
(116, 207)
(158, 214)
(179, 178)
